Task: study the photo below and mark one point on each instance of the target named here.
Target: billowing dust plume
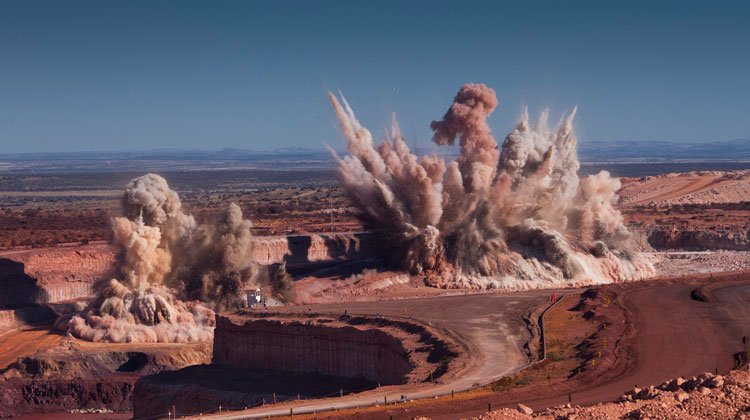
(172, 272)
(515, 217)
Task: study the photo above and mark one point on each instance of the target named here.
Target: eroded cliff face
(16, 287)
(202, 389)
(13, 318)
(260, 356)
(677, 238)
(53, 274)
(335, 349)
(67, 273)
(19, 396)
(301, 249)
(78, 375)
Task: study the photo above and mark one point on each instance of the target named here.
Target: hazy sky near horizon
(134, 75)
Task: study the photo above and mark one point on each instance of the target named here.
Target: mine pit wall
(67, 291)
(67, 273)
(16, 287)
(14, 318)
(53, 274)
(301, 249)
(343, 351)
(19, 396)
(19, 288)
(732, 240)
(8, 320)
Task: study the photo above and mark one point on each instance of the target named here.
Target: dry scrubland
(699, 210)
(44, 210)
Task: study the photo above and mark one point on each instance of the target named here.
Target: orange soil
(26, 341)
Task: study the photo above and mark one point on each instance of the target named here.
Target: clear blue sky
(133, 75)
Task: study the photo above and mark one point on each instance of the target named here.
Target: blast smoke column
(172, 271)
(514, 217)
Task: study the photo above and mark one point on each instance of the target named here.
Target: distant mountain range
(590, 152)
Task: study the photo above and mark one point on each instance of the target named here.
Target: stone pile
(706, 396)
(679, 386)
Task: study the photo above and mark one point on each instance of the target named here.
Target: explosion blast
(172, 271)
(514, 218)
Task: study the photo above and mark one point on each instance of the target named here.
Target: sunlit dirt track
(676, 187)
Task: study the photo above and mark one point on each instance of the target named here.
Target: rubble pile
(706, 396)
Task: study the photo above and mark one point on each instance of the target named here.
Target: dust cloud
(510, 217)
(172, 272)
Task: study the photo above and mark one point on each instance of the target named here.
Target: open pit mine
(143, 303)
(444, 291)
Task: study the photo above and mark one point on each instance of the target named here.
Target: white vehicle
(254, 297)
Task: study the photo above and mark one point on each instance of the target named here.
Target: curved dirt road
(492, 324)
(675, 336)
(664, 188)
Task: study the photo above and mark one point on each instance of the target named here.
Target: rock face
(202, 389)
(302, 249)
(262, 357)
(73, 377)
(292, 346)
(66, 273)
(18, 396)
(16, 287)
(7, 319)
(71, 363)
(12, 318)
(674, 238)
(53, 274)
